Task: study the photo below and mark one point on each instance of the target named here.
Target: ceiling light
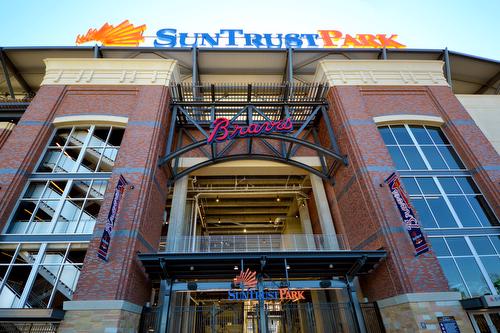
(235, 268)
(278, 198)
(270, 220)
(217, 199)
(218, 221)
(330, 266)
(245, 230)
(191, 268)
(287, 266)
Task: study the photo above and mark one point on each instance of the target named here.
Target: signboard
(448, 324)
(222, 129)
(407, 214)
(248, 280)
(126, 34)
(102, 252)
(491, 301)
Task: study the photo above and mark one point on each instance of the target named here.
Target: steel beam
(447, 67)
(489, 84)
(19, 78)
(6, 74)
(97, 51)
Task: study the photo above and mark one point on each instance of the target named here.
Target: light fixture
(217, 199)
(287, 266)
(218, 221)
(270, 220)
(191, 268)
(235, 268)
(278, 198)
(330, 266)
(245, 230)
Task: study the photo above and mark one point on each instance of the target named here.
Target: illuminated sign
(126, 34)
(248, 280)
(224, 130)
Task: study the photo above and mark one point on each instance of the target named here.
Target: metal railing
(254, 243)
(28, 327)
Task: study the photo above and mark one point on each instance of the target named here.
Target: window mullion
(58, 276)
(84, 148)
(481, 266)
(31, 278)
(445, 198)
(426, 162)
(60, 205)
(9, 268)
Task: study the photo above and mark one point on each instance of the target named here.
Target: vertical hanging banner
(102, 252)
(407, 214)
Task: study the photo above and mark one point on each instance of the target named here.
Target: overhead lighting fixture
(217, 199)
(191, 268)
(278, 198)
(330, 266)
(287, 266)
(245, 230)
(218, 221)
(270, 220)
(235, 268)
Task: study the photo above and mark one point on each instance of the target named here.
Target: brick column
(23, 147)
(407, 287)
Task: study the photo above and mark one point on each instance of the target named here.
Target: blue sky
(471, 27)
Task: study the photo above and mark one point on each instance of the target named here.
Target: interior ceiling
(248, 204)
(470, 74)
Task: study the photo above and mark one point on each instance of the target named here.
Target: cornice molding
(141, 72)
(381, 73)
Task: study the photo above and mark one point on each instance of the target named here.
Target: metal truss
(195, 108)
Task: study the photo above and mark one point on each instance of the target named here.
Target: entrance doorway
(211, 312)
(485, 322)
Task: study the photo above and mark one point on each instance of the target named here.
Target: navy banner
(110, 222)
(407, 214)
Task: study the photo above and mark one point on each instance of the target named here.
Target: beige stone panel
(381, 72)
(485, 110)
(77, 71)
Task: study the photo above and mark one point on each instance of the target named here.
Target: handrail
(253, 243)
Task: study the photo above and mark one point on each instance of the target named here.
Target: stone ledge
(89, 120)
(80, 71)
(408, 119)
(420, 297)
(381, 73)
(102, 305)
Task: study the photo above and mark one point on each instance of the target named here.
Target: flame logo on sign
(247, 278)
(124, 34)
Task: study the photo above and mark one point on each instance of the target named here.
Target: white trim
(412, 119)
(90, 120)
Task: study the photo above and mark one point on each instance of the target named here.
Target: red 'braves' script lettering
(222, 129)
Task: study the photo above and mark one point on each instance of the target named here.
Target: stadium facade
(249, 190)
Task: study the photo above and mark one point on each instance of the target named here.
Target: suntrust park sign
(126, 34)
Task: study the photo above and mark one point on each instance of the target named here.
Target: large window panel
(448, 202)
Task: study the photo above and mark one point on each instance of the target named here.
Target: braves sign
(407, 214)
(222, 129)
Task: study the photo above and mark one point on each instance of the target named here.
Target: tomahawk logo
(247, 279)
(124, 34)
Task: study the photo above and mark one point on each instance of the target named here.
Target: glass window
(82, 150)
(56, 274)
(472, 275)
(455, 281)
(68, 205)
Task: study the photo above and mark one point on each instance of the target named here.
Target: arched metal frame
(196, 113)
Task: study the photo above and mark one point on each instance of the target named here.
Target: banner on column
(407, 214)
(102, 252)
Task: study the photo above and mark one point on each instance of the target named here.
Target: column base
(419, 312)
(113, 316)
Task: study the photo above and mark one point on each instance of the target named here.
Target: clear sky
(468, 26)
